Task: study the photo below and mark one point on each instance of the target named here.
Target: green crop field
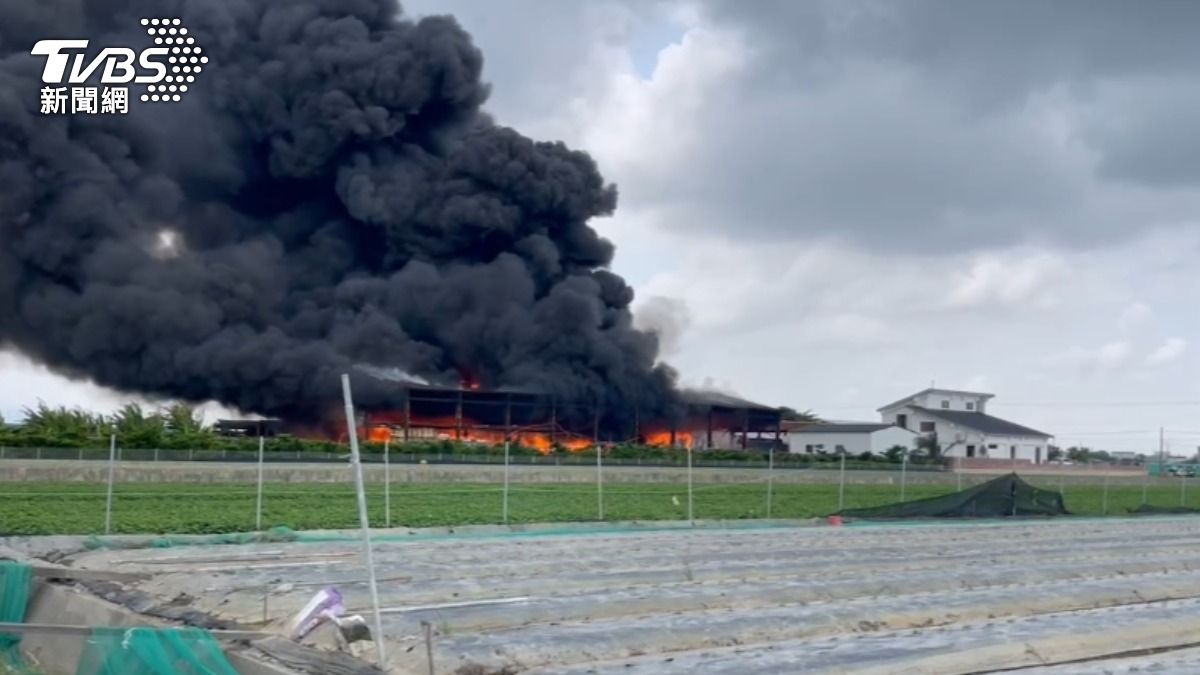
(72, 508)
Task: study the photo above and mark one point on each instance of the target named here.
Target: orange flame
(663, 438)
(388, 425)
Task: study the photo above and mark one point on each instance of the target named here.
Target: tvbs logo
(166, 70)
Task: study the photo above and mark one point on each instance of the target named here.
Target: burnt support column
(745, 429)
(708, 442)
(672, 434)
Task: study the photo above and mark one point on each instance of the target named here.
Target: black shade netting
(1006, 496)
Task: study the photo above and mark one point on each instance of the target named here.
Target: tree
(1053, 454)
(793, 415)
(181, 418)
(895, 453)
(61, 426)
(136, 428)
(928, 448)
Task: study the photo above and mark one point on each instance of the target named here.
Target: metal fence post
(958, 471)
(364, 523)
(259, 498)
(387, 483)
(1104, 507)
(1182, 488)
(112, 466)
(842, 484)
(599, 482)
(504, 507)
(903, 473)
(770, 477)
(691, 513)
(1145, 487)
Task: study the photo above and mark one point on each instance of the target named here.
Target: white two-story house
(963, 428)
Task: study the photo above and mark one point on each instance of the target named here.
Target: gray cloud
(924, 126)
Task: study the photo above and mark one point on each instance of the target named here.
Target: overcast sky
(829, 205)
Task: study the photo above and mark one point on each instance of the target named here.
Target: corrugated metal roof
(982, 422)
(716, 398)
(843, 428)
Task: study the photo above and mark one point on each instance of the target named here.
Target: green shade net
(15, 586)
(152, 651)
(275, 535)
(1001, 497)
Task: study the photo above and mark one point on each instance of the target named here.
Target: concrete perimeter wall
(71, 471)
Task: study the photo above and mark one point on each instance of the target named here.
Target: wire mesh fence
(520, 493)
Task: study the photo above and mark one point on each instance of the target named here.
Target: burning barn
(540, 421)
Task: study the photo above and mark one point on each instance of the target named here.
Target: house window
(1012, 452)
(946, 404)
(992, 446)
(902, 421)
(970, 451)
(927, 427)
(970, 405)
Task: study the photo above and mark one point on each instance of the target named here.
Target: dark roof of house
(939, 390)
(840, 428)
(981, 422)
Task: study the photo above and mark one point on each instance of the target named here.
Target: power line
(1093, 404)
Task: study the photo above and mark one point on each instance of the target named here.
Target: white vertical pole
(505, 506)
(691, 513)
(770, 477)
(1145, 485)
(112, 470)
(599, 482)
(903, 473)
(958, 472)
(387, 483)
(842, 484)
(1182, 488)
(258, 504)
(356, 461)
(1104, 507)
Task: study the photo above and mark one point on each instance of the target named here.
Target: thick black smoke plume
(328, 196)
